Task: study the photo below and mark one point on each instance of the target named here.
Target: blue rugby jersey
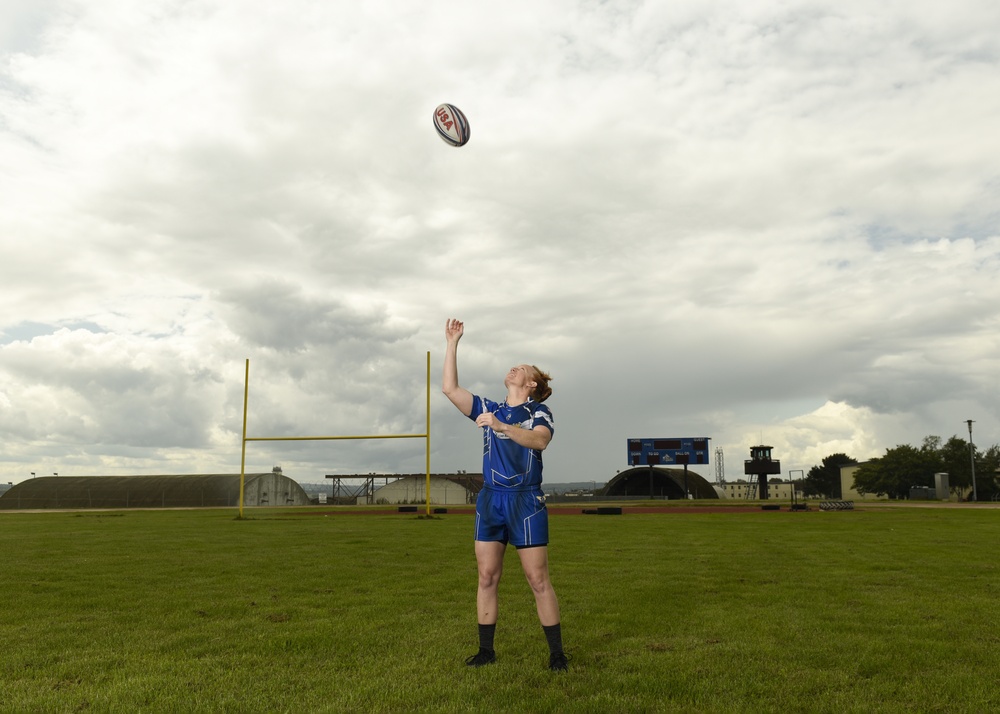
(506, 464)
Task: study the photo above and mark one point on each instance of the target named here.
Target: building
(374, 489)
(847, 490)
(166, 491)
(658, 482)
(941, 490)
(780, 490)
(446, 490)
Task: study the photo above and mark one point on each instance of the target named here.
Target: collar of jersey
(522, 404)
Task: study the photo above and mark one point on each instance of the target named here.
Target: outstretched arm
(459, 396)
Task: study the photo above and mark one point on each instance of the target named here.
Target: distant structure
(776, 490)
(167, 491)
(362, 489)
(445, 489)
(760, 465)
(658, 482)
(720, 467)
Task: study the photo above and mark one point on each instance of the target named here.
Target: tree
(898, 470)
(867, 479)
(987, 469)
(956, 463)
(825, 480)
(931, 443)
(905, 466)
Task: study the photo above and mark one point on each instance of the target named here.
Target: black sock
(553, 635)
(486, 633)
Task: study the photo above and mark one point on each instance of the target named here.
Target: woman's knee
(489, 561)
(489, 578)
(538, 580)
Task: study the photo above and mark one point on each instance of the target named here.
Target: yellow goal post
(426, 436)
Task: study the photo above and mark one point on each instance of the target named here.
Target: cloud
(723, 219)
(88, 391)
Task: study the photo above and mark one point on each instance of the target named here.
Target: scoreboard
(653, 452)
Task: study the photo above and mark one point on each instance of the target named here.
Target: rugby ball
(451, 125)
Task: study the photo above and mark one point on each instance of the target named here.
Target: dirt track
(565, 510)
(558, 510)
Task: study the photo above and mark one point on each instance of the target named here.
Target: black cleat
(482, 657)
(559, 662)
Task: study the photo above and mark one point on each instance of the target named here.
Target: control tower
(761, 465)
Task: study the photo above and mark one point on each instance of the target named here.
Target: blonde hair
(542, 390)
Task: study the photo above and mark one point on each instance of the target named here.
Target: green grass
(880, 610)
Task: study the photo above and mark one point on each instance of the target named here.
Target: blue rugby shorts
(516, 517)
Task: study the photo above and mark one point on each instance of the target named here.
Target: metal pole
(972, 460)
(243, 454)
(427, 431)
(684, 458)
(791, 481)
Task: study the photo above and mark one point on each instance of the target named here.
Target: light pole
(972, 460)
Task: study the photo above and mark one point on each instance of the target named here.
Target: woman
(511, 506)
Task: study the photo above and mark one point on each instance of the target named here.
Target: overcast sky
(756, 221)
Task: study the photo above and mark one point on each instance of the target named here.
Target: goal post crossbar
(335, 438)
(426, 435)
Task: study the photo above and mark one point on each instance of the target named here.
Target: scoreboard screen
(653, 452)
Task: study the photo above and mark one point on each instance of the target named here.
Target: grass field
(879, 610)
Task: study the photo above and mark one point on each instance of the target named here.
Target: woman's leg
(535, 562)
(489, 560)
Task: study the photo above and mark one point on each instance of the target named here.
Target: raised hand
(454, 329)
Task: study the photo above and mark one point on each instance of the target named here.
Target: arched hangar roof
(445, 489)
(657, 482)
(164, 491)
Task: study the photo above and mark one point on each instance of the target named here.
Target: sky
(760, 221)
